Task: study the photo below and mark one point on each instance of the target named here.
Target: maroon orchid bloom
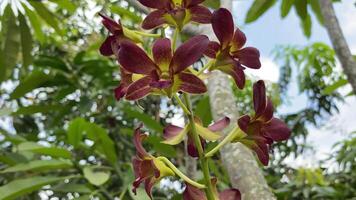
(229, 55)
(118, 33)
(262, 129)
(167, 73)
(174, 135)
(147, 168)
(175, 12)
(193, 193)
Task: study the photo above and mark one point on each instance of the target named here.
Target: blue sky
(268, 32)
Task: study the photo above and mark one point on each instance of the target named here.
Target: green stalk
(175, 37)
(207, 66)
(181, 104)
(180, 174)
(155, 35)
(203, 160)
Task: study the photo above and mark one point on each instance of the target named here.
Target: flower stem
(180, 174)
(203, 160)
(181, 104)
(155, 35)
(175, 37)
(207, 66)
(234, 134)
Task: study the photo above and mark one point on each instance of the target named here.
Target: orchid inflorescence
(168, 71)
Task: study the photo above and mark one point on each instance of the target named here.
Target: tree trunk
(338, 41)
(239, 161)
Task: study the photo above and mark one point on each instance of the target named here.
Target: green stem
(185, 109)
(236, 133)
(207, 66)
(203, 160)
(180, 174)
(155, 35)
(175, 37)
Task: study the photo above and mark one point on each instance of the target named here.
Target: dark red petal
(191, 84)
(277, 130)
(259, 97)
(261, 150)
(111, 25)
(249, 57)
(171, 131)
(220, 125)
(189, 52)
(159, 4)
(134, 59)
(239, 40)
(200, 14)
(230, 194)
(105, 48)
(154, 19)
(120, 91)
(223, 26)
(268, 112)
(139, 89)
(193, 193)
(139, 136)
(236, 72)
(191, 149)
(212, 49)
(149, 183)
(162, 51)
(188, 3)
(243, 122)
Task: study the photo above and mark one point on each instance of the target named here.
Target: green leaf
(317, 10)
(286, 6)
(65, 4)
(143, 117)
(203, 111)
(140, 194)
(29, 110)
(39, 149)
(36, 24)
(46, 15)
(96, 175)
(126, 13)
(11, 46)
(26, 42)
(301, 6)
(215, 4)
(71, 187)
(307, 25)
(331, 88)
(24, 186)
(76, 131)
(32, 81)
(258, 8)
(103, 142)
(39, 166)
(51, 62)
(161, 148)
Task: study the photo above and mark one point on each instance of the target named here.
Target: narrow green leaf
(143, 117)
(285, 7)
(50, 62)
(47, 16)
(75, 131)
(71, 187)
(32, 81)
(317, 10)
(96, 175)
(203, 111)
(39, 166)
(258, 8)
(161, 148)
(35, 24)
(11, 46)
(26, 41)
(215, 4)
(126, 13)
(65, 4)
(20, 187)
(29, 110)
(307, 25)
(39, 149)
(301, 6)
(331, 88)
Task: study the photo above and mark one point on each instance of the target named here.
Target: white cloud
(269, 70)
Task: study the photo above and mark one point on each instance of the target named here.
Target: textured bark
(239, 161)
(338, 41)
